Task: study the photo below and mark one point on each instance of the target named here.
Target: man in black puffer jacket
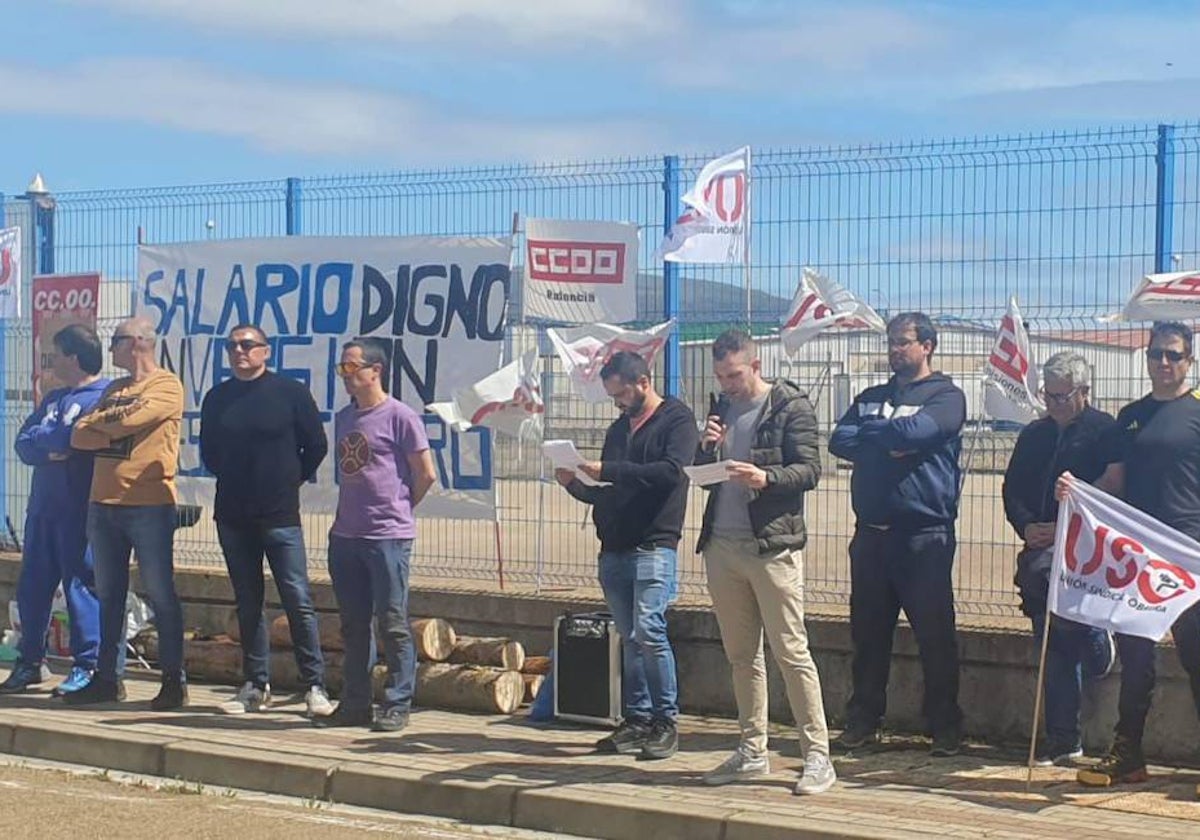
(751, 539)
(638, 511)
(904, 439)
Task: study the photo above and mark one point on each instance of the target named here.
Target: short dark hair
(257, 330)
(733, 341)
(81, 341)
(627, 365)
(921, 323)
(1172, 329)
(372, 351)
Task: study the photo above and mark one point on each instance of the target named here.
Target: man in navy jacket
(904, 439)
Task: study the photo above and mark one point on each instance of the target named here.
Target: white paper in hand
(563, 455)
(705, 474)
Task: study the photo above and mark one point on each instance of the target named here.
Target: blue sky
(110, 93)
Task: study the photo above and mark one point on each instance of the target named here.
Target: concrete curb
(485, 801)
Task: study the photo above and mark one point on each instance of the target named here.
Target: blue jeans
(1075, 651)
(244, 547)
(56, 551)
(148, 530)
(370, 578)
(638, 586)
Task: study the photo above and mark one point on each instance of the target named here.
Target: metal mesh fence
(1067, 222)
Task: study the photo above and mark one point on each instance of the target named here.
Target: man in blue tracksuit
(904, 439)
(56, 549)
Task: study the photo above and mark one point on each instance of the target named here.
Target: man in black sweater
(638, 511)
(261, 436)
(1068, 439)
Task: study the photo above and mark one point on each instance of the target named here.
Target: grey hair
(139, 326)
(1068, 367)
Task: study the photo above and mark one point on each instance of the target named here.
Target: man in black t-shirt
(1153, 454)
(261, 436)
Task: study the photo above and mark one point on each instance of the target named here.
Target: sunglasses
(245, 345)
(1172, 356)
(349, 368)
(1059, 399)
(115, 341)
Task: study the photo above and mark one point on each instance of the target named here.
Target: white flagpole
(746, 246)
(1037, 699)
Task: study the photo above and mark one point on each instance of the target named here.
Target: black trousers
(1138, 672)
(889, 571)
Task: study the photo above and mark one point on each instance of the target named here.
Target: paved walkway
(505, 771)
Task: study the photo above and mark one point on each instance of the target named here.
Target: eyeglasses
(349, 368)
(1172, 356)
(115, 341)
(1060, 399)
(245, 345)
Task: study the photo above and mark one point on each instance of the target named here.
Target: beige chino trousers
(753, 592)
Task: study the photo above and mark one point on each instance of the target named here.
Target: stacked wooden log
(453, 672)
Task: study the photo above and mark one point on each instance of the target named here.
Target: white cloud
(283, 116)
(542, 24)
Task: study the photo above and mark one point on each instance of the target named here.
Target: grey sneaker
(818, 775)
(250, 698)
(317, 703)
(738, 766)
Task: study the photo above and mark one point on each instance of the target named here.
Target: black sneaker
(1123, 764)
(343, 716)
(390, 720)
(626, 739)
(856, 737)
(99, 690)
(172, 695)
(662, 741)
(946, 743)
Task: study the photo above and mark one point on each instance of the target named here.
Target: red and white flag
(716, 224)
(580, 272)
(585, 350)
(10, 272)
(1010, 380)
(1111, 566)
(818, 305)
(509, 401)
(1174, 296)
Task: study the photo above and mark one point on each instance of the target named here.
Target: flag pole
(746, 248)
(1037, 699)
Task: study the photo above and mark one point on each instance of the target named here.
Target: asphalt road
(40, 800)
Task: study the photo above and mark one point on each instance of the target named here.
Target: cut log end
(499, 653)
(434, 638)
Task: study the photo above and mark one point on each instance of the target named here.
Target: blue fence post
(1164, 202)
(295, 217)
(4, 535)
(671, 371)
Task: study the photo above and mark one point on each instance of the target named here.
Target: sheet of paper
(564, 455)
(705, 474)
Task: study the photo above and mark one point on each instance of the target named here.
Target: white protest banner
(1173, 296)
(508, 400)
(581, 272)
(819, 304)
(436, 305)
(10, 272)
(716, 224)
(1010, 380)
(1111, 570)
(585, 350)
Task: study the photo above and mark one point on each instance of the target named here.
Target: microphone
(718, 406)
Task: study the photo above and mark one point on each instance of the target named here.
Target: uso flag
(1118, 568)
(716, 224)
(509, 401)
(820, 303)
(1010, 380)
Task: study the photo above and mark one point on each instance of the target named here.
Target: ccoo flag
(1010, 380)
(1118, 568)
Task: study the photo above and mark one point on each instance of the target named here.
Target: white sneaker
(818, 775)
(738, 766)
(317, 703)
(250, 698)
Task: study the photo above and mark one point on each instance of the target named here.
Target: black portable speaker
(587, 668)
